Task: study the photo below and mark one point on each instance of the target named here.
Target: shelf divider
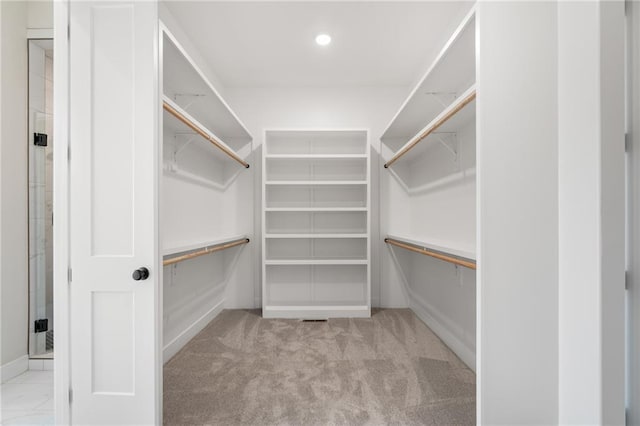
(284, 262)
(311, 236)
(316, 182)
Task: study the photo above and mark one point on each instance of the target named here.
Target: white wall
(16, 19)
(518, 213)
(551, 213)
(40, 14)
(316, 108)
(591, 181)
(13, 185)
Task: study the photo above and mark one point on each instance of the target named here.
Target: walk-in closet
(299, 222)
(309, 213)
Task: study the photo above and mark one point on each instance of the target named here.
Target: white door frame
(62, 367)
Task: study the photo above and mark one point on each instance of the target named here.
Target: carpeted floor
(387, 369)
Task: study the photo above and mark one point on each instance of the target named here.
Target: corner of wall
(13, 185)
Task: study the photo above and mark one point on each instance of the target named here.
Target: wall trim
(427, 314)
(174, 346)
(39, 33)
(14, 368)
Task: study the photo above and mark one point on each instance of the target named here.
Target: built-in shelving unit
(449, 80)
(205, 151)
(316, 224)
(437, 120)
(429, 145)
(203, 138)
(429, 193)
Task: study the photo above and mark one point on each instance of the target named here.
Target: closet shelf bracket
(190, 136)
(453, 147)
(439, 95)
(190, 99)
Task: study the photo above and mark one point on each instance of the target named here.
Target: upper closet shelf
(176, 119)
(452, 119)
(186, 85)
(451, 74)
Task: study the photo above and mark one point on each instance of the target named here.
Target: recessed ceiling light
(323, 39)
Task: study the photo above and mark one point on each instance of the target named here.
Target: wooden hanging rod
(206, 250)
(438, 255)
(453, 111)
(177, 114)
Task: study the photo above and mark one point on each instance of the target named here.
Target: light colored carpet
(389, 369)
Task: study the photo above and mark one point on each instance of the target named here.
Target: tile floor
(27, 399)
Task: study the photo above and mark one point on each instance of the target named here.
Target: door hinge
(70, 275)
(627, 279)
(41, 325)
(627, 142)
(68, 32)
(69, 152)
(70, 395)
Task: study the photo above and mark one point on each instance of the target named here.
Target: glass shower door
(40, 198)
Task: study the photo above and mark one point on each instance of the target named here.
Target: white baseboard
(172, 348)
(14, 368)
(41, 364)
(422, 310)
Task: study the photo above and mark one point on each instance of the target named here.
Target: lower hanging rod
(206, 250)
(442, 256)
(177, 114)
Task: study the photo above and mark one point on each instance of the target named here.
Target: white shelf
(466, 251)
(316, 311)
(316, 209)
(176, 126)
(316, 183)
(316, 156)
(185, 84)
(458, 120)
(275, 236)
(282, 262)
(450, 74)
(185, 247)
(315, 142)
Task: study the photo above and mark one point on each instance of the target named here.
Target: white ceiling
(271, 44)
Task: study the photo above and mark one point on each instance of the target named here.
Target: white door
(115, 363)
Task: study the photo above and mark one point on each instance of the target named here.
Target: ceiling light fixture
(323, 39)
